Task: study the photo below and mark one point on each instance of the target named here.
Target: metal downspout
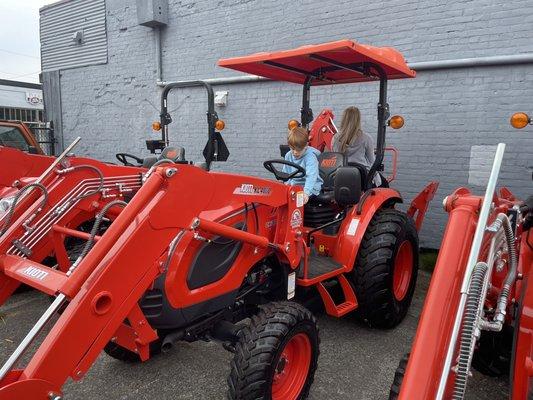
(516, 59)
(158, 56)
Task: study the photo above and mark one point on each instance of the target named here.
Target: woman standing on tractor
(353, 142)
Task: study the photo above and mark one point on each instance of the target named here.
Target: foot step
(338, 310)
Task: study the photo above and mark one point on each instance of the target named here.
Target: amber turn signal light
(156, 126)
(520, 120)
(396, 122)
(220, 125)
(293, 123)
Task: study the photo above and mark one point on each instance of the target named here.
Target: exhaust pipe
(170, 339)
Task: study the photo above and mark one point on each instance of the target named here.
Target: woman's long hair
(350, 127)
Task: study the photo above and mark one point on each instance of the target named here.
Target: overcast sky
(19, 39)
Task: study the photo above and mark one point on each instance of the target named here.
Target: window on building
(12, 137)
(21, 114)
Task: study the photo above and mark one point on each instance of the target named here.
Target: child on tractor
(307, 157)
(353, 142)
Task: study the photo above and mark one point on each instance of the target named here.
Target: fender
(357, 221)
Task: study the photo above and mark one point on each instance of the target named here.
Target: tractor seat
(176, 154)
(328, 163)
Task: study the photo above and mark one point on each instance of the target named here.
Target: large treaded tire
(374, 268)
(398, 378)
(260, 346)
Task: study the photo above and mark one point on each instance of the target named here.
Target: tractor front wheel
(276, 355)
(386, 268)
(122, 354)
(398, 378)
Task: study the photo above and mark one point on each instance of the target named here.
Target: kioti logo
(328, 162)
(35, 273)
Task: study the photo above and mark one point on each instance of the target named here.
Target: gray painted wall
(447, 111)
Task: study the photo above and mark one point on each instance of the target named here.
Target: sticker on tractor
(291, 285)
(354, 223)
(247, 188)
(35, 273)
(300, 199)
(329, 162)
(296, 219)
(172, 153)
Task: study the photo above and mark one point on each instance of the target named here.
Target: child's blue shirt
(311, 182)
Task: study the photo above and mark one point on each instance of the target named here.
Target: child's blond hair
(298, 138)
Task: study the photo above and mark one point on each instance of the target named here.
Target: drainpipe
(491, 61)
(158, 55)
(516, 59)
(226, 81)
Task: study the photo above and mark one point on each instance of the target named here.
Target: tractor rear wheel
(276, 355)
(398, 378)
(386, 269)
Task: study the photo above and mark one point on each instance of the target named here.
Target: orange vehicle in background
(18, 135)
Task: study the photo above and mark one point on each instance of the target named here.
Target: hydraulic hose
(11, 211)
(474, 304)
(503, 299)
(96, 226)
(91, 192)
(469, 325)
(152, 168)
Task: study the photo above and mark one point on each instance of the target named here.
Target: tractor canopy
(343, 61)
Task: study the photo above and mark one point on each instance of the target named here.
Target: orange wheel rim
(291, 368)
(403, 270)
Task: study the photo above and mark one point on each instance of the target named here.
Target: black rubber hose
(96, 226)
(513, 263)
(11, 211)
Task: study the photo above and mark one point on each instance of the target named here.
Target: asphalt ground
(355, 362)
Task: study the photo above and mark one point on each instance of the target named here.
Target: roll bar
(211, 151)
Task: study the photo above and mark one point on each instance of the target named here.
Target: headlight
(5, 204)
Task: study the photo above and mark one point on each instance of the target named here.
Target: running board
(338, 310)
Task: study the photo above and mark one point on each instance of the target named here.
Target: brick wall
(447, 112)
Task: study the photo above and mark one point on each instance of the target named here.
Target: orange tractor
(139, 258)
(478, 310)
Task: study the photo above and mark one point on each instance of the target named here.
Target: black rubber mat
(320, 265)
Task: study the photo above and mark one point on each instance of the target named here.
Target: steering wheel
(284, 176)
(122, 157)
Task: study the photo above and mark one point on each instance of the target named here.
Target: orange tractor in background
(478, 312)
(138, 258)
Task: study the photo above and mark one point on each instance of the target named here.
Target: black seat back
(176, 154)
(329, 162)
(348, 186)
